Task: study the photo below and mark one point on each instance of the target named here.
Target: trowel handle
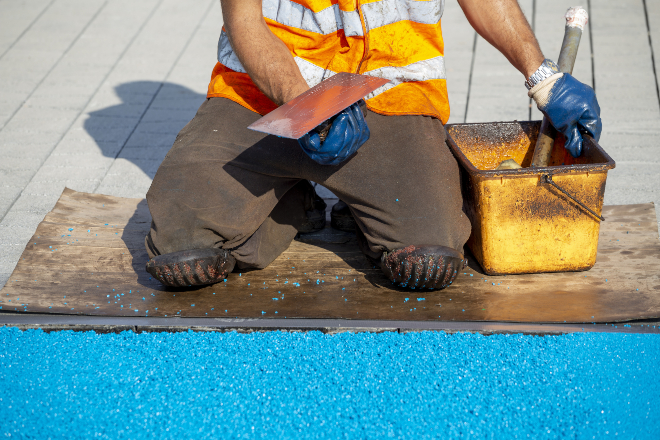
(576, 18)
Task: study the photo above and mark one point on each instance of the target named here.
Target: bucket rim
(526, 172)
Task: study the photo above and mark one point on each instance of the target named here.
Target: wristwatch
(547, 69)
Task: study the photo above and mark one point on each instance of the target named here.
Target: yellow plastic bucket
(529, 220)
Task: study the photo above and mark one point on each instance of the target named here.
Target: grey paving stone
(36, 202)
(57, 186)
(92, 160)
(105, 128)
(20, 220)
(168, 115)
(31, 119)
(624, 76)
(84, 147)
(161, 140)
(324, 192)
(9, 257)
(8, 195)
(458, 37)
(122, 190)
(45, 43)
(16, 18)
(499, 94)
(134, 176)
(161, 127)
(4, 277)
(9, 164)
(653, 12)
(59, 174)
(145, 152)
(17, 177)
(14, 236)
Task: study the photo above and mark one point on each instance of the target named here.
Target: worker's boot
(341, 217)
(195, 267)
(315, 207)
(422, 267)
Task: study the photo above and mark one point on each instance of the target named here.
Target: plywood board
(87, 257)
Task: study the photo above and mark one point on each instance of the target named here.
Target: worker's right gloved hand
(571, 107)
(347, 133)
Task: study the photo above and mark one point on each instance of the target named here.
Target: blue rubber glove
(348, 132)
(572, 109)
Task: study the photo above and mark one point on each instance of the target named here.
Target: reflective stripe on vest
(403, 44)
(420, 71)
(324, 22)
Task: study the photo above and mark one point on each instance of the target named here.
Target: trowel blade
(306, 111)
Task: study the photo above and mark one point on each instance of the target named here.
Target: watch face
(551, 65)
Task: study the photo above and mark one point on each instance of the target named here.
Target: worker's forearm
(264, 56)
(502, 24)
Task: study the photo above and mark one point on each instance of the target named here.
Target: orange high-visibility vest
(400, 40)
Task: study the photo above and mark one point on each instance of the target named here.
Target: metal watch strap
(547, 69)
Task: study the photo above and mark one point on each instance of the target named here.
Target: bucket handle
(547, 178)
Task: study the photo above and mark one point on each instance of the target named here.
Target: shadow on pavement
(142, 128)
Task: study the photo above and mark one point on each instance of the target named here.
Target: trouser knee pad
(195, 267)
(422, 267)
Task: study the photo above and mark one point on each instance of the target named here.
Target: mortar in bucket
(529, 220)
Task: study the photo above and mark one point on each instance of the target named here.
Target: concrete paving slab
(499, 94)
(459, 39)
(652, 9)
(30, 119)
(54, 187)
(158, 140)
(89, 160)
(39, 203)
(145, 152)
(624, 76)
(15, 177)
(16, 18)
(10, 164)
(54, 33)
(21, 220)
(324, 192)
(134, 173)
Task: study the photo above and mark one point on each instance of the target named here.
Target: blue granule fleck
(315, 385)
(421, 299)
(405, 300)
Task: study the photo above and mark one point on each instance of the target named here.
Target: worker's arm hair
(502, 24)
(264, 56)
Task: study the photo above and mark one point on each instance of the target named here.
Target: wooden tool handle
(576, 18)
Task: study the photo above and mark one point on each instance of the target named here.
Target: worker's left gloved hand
(571, 107)
(347, 133)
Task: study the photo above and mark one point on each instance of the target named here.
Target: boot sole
(196, 267)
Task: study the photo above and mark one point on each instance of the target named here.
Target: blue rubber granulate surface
(312, 385)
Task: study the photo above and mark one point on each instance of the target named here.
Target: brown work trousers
(224, 186)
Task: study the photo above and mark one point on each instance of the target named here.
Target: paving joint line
(128, 46)
(648, 32)
(467, 97)
(591, 47)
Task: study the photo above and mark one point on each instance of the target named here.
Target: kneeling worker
(227, 197)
